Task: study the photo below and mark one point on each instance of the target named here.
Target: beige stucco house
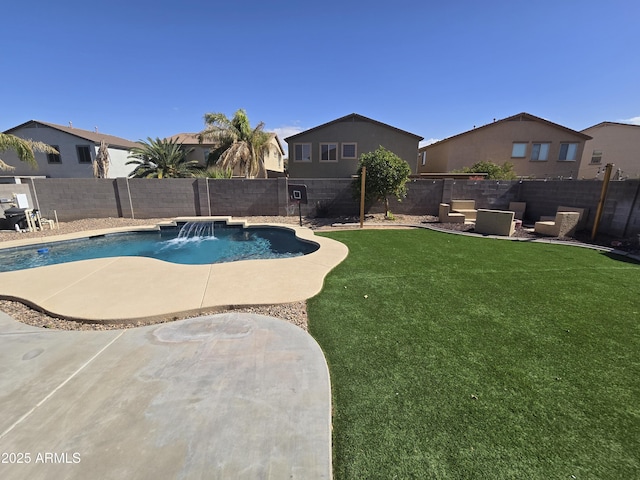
(273, 156)
(616, 143)
(77, 150)
(331, 150)
(537, 148)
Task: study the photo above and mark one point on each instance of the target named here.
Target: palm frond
(24, 148)
(239, 146)
(5, 166)
(157, 158)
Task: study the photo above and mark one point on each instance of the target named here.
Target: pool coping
(144, 290)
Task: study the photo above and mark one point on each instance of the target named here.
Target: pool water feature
(191, 243)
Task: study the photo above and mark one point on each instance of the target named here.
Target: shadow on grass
(621, 257)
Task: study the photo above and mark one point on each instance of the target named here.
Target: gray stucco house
(77, 148)
(331, 150)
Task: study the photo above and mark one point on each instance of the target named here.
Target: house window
(540, 152)
(54, 157)
(596, 157)
(424, 157)
(328, 152)
(519, 150)
(568, 151)
(350, 150)
(302, 152)
(84, 153)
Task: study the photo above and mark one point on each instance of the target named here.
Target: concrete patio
(226, 396)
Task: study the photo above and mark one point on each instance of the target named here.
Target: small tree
(387, 174)
(493, 171)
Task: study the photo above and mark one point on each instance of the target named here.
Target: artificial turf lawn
(456, 357)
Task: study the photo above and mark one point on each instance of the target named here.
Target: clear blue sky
(143, 68)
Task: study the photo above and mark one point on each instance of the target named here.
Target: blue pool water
(202, 243)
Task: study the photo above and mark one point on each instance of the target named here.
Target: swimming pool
(189, 243)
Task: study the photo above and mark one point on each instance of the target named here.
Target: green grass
(474, 358)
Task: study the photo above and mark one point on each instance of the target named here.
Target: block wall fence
(74, 199)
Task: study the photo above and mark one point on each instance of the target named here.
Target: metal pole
(130, 202)
(362, 183)
(603, 196)
(208, 196)
(35, 194)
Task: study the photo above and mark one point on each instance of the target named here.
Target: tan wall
(273, 161)
(494, 143)
(367, 135)
(274, 157)
(619, 144)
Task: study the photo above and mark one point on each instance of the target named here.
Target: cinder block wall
(544, 197)
(240, 197)
(76, 198)
(163, 197)
(491, 194)
(620, 214)
(151, 198)
(334, 196)
(326, 197)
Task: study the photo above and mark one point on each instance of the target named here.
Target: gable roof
(613, 124)
(352, 117)
(94, 137)
(186, 138)
(518, 117)
(192, 139)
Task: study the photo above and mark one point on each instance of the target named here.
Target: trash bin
(14, 216)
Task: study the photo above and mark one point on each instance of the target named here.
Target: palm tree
(24, 148)
(238, 144)
(162, 159)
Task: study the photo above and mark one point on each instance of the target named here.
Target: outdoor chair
(446, 216)
(582, 221)
(465, 207)
(495, 222)
(563, 225)
(518, 208)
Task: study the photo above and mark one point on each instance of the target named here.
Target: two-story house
(76, 148)
(331, 150)
(272, 156)
(536, 147)
(611, 142)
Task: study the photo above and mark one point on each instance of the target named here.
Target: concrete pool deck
(233, 395)
(125, 289)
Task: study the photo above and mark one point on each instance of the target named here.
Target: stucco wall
(494, 143)
(119, 158)
(619, 144)
(69, 167)
(368, 136)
